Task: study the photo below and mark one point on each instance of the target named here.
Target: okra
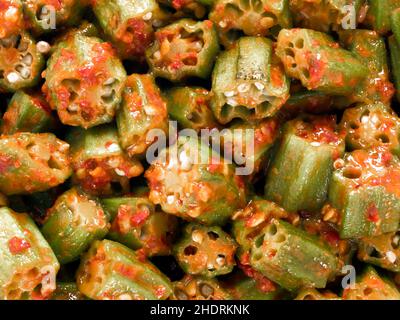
(73, 223)
(11, 17)
(248, 82)
(196, 8)
(67, 291)
(378, 15)
(313, 294)
(395, 23)
(84, 81)
(111, 271)
(394, 47)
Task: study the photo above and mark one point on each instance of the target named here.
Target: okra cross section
(205, 251)
(248, 81)
(73, 223)
(84, 81)
(111, 271)
(28, 265)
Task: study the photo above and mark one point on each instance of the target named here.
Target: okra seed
(259, 86)
(170, 199)
(43, 47)
(222, 24)
(147, 16)
(206, 290)
(229, 94)
(395, 241)
(24, 71)
(109, 81)
(391, 256)
(339, 163)
(180, 295)
(197, 236)
(157, 55)
(244, 87)
(73, 107)
(221, 260)
(13, 77)
(27, 59)
(119, 172)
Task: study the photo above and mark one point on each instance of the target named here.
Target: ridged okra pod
(395, 23)
(298, 177)
(378, 15)
(73, 223)
(111, 271)
(394, 48)
(84, 81)
(248, 81)
(32, 162)
(28, 265)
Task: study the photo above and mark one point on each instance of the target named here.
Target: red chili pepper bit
(18, 245)
(373, 213)
(139, 217)
(160, 291)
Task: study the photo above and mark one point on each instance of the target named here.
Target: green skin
(312, 102)
(170, 65)
(67, 291)
(375, 251)
(200, 248)
(23, 252)
(292, 258)
(32, 162)
(77, 78)
(142, 110)
(312, 57)
(379, 13)
(372, 286)
(395, 23)
(190, 106)
(27, 113)
(151, 230)
(12, 58)
(221, 193)
(363, 131)
(249, 64)
(73, 223)
(299, 175)
(313, 294)
(121, 274)
(395, 62)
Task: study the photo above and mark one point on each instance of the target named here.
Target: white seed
(222, 24)
(120, 172)
(197, 236)
(125, 296)
(210, 266)
(259, 86)
(109, 81)
(339, 163)
(24, 71)
(244, 87)
(27, 59)
(396, 240)
(113, 147)
(221, 261)
(157, 55)
(232, 102)
(315, 144)
(147, 16)
(13, 77)
(229, 94)
(391, 256)
(197, 45)
(73, 107)
(43, 47)
(170, 199)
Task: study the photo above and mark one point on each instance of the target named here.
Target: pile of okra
(301, 93)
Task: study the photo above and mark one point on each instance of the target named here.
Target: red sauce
(320, 129)
(5, 163)
(372, 213)
(139, 217)
(18, 245)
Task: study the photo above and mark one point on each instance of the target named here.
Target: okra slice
(27, 112)
(365, 189)
(313, 294)
(142, 110)
(100, 165)
(292, 258)
(73, 223)
(28, 265)
(234, 18)
(298, 177)
(394, 47)
(382, 251)
(84, 81)
(32, 162)
(111, 271)
(372, 286)
(368, 126)
(205, 251)
(324, 15)
(190, 106)
(198, 288)
(67, 291)
(186, 48)
(370, 49)
(318, 62)
(129, 25)
(11, 17)
(191, 181)
(46, 16)
(378, 15)
(20, 62)
(248, 82)
(137, 224)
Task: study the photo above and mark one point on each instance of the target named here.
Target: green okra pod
(313, 294)
(394, 47)
(395, 23)
(378, 15)
(67, 291)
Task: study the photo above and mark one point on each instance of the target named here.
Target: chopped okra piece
(234, 18)
(84, 81)
(137, 224)
(382, 251)
(142, 110)
(100, 165)
(46, 16)
(186, 48)
(20, 62)
(193, 182)
(370, 49)
(394, 47)
(378, 15)
(248, 81)
(365, 189)
(190, 106)
(198, 288)
(73, 223)
(111, 271)
(196, 8)
(28, 265)
(67, 291)
(32, 162)
(27, 112)
(371, 286)
(368, 126)
(205, 251)
(313, 294)
(312, 102)
(318, 62)
(292, 258)
(298, 177)
(129, 24)
(395, 23)
(324, 15)
(11, 17)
